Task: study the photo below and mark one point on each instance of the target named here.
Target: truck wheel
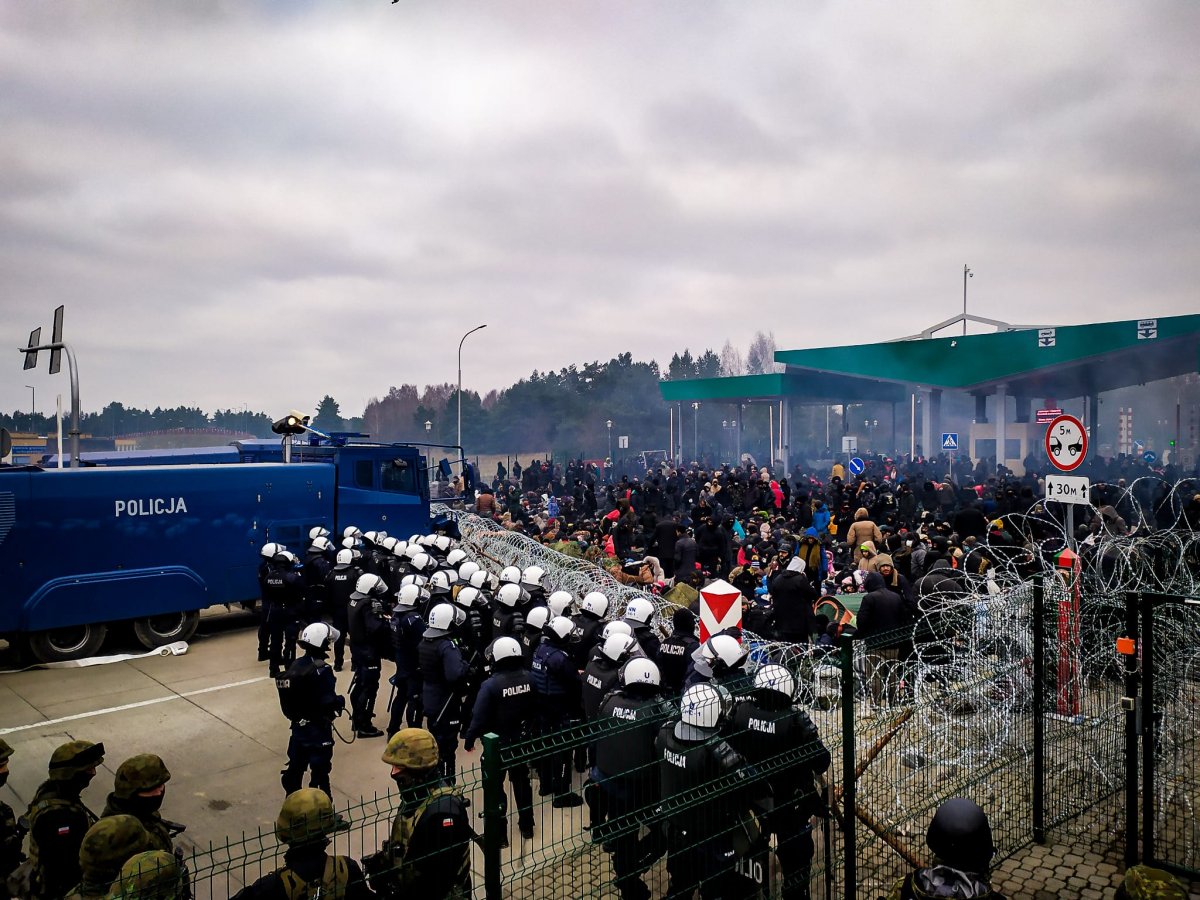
(155, 631)
(61, 644)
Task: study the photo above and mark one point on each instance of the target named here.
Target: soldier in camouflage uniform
(151, 875)
(106, 847)
(138, 790)
(305, 823)
(58, 818)
(429, 853)
(10, 832)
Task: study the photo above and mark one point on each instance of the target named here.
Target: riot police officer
(443, 679)
(626, 772)
(339, 586)
(283, 591)
(700, 849)
(721, 660)
(308, 696)
(531, 633)
(106, 847)
(640, 616)
(675, 653)
(407, 630)
(558, 683)
(11, 834)
(58, 818)
(139, 788)
(305, 822)
(266, 565)
(318, 563)
(507, 618)
(533, 583)
(429, 852)
(763, 726)
(370, 641)
(586, 626)
(474, 637)
(507, 706)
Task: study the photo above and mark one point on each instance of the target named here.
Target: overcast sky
(258, 204)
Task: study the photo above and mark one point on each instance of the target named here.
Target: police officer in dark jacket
(602, 676)
(407, 630)
(317, 566)
(763, 727)
(339, 584)
(443, 679)
(507, 705)
(640, 616)
(474, 637)
(531, 634)
(308, 695)
(792, 597)
(627, 772)
(675, 653)
(266, 566)
(507, 618)
(558, 683)
(587, 625)
(370, 641)
(283, 596)
(700, 822)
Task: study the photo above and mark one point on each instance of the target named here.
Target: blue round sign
(857, 466)
(1150, 456)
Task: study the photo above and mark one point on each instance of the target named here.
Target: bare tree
(760, 358)
(731, 361)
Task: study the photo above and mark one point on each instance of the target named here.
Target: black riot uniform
(264, 613)
(628, 776)
(507, 706)
(317, 567)
(557, 681)
(339, 585)
(443, 679)
(507, 621)
(584, 636)
(762, 727)
(407, 630)
(529, 637)
(283, 595)
(474, 636)
(308, 695)
(700, 851)
(675, 653)
(370, 641)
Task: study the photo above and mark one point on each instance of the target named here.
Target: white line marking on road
(112, 709)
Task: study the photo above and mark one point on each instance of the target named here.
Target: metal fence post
(1132, 705)
(1039, 707)
(1149, 741)
(493, 815)
(849, 780)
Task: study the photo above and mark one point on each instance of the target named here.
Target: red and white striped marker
(720, 608)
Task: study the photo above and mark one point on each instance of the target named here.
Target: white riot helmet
(270, 551)
(478, 579)
(641, 671)
(408, 595)
(414, 578)
(537, 618)
(317, 637)
(596, 604)
(456, 557)
(617, 647)
(413, 549)
(560, 602)
(616, 626)
(371, 537)
(317, 531)
(389, 544)
(427, 540)
(441, 543)
(287, 556)
(467, 596)
(350, 542)
(467, 569)
(400, 549)
(421, 562)
(370, 585)
(723, 653)
(351, 531)
(559, 627)
(640, 611)
(505, 648)
(701, 709)
(531, 577)
(439, 583)
(509, 594)
(510, 575)
(441, 620)
(344, 558)
(320, 544)
(772, 677)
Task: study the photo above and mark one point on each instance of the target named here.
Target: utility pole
(967, 273)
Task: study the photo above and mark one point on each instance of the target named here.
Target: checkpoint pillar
(1067, 565)
(720, 608)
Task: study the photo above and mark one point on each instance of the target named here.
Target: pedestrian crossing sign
(949, 440)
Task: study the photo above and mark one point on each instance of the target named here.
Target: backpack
(332, 884)
(837, 614)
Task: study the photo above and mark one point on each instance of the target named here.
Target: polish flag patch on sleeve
(447, 823)
(64, 830)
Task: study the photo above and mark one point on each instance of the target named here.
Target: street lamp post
(608, 425)
(696, 429)
(428, 427)
(460, 346)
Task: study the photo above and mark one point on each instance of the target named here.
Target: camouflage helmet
(74, 758)
(412, 748)
(108, 844)
(5, 751)
(151, 875)
(143, 772)
(1148, 883)
(307, 815)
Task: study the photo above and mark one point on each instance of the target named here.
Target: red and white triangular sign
(720, 608)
